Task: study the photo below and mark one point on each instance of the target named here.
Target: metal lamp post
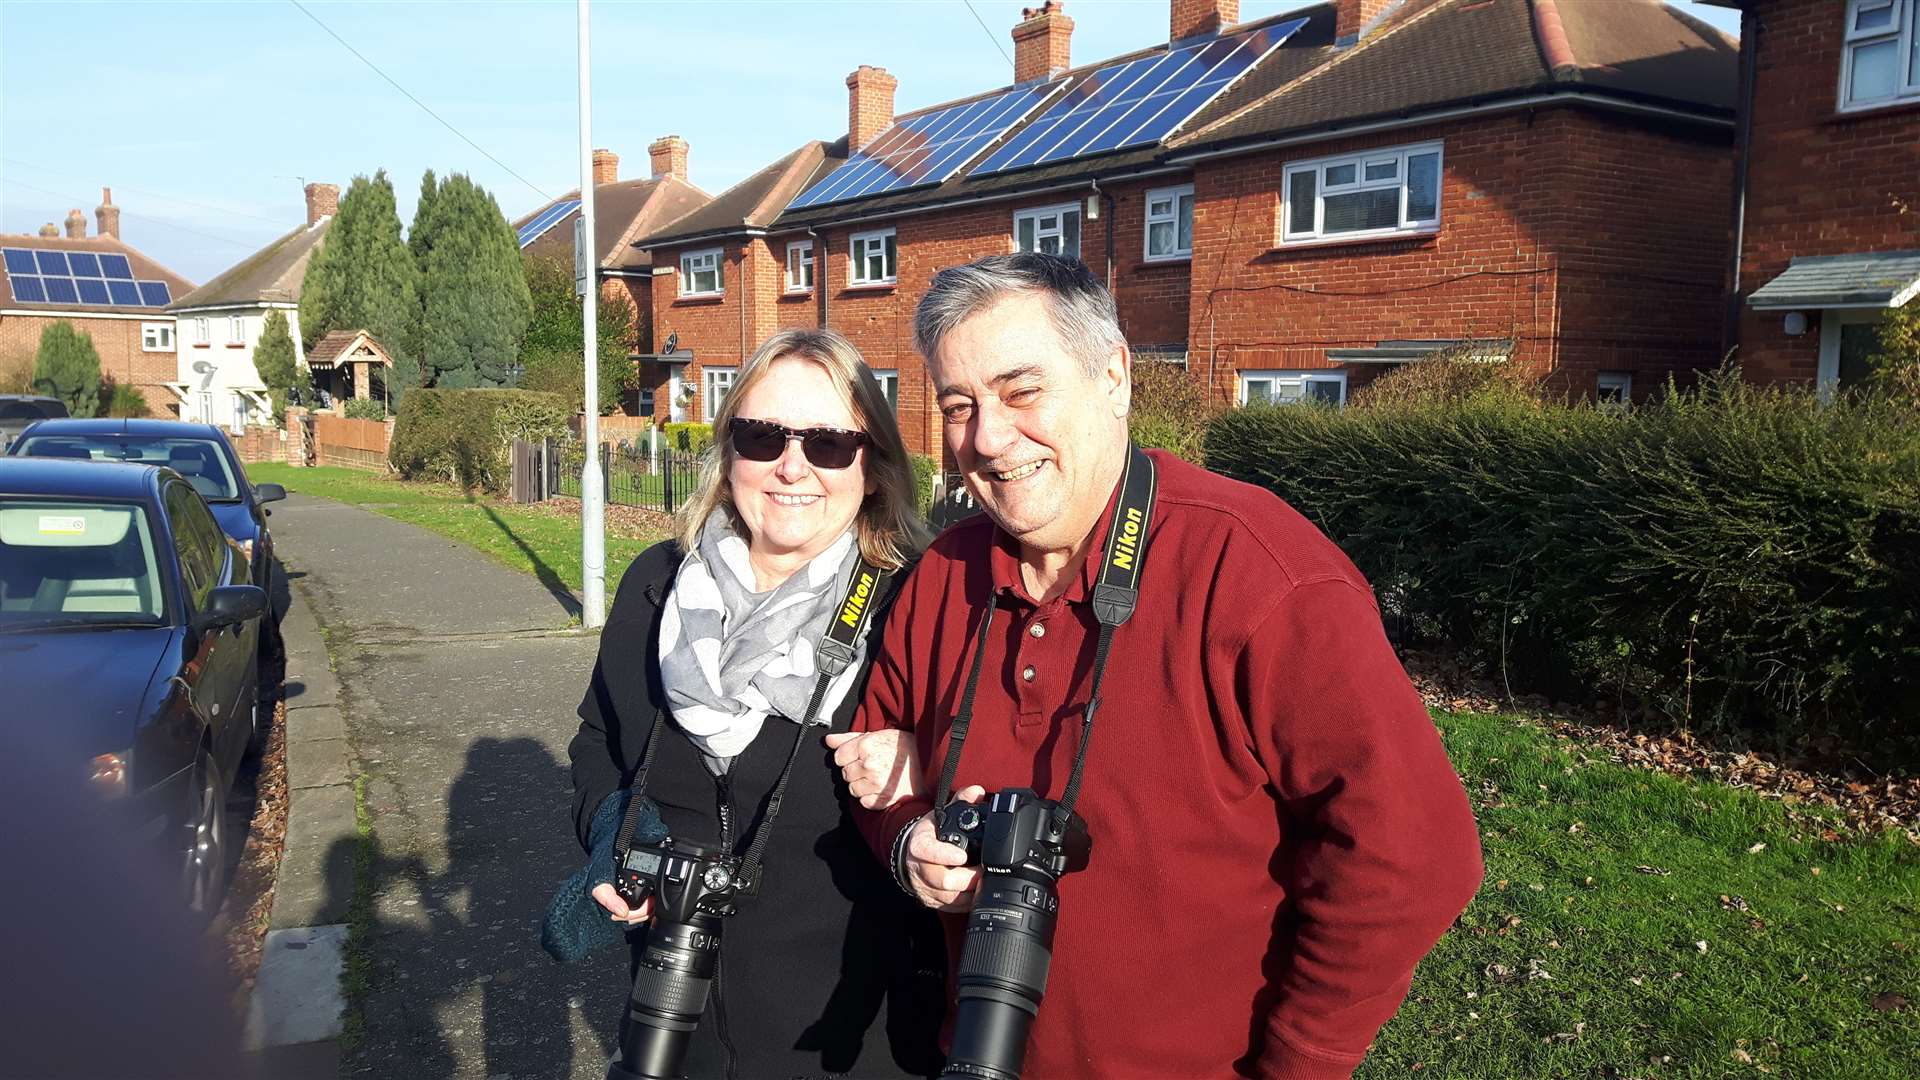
(593, 510)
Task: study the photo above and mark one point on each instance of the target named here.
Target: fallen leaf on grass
(1701, 945)
(1888, 1001)
(1568, 1036)
(1743, 1057)
(1657, 871)
(1733, 903)
(1757, 849)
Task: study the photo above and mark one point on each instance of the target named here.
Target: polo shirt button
(1027, 673)
(1037, 630)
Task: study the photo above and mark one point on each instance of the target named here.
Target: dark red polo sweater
(1278, 836)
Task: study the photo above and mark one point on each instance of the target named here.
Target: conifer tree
(364, 278)
(274, 360)
(556, 339)
(474, 300)
(67, 367)
(420, 237)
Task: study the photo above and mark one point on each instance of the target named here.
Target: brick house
(624, 211)
(1830, 221)
(1546, 181)
(104, 288)
(221, 322)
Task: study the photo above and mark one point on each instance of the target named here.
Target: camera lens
(1002, 975)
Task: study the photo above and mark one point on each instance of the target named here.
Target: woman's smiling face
(792, 508)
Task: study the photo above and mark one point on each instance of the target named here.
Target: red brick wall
(121, 357)
(1821, 182)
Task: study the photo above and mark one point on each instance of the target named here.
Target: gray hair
(1081, 308)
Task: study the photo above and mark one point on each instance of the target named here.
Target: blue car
(129, 620)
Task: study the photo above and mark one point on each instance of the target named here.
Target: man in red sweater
(1277, 835)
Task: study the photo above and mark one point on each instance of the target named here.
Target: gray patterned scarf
(730, 657)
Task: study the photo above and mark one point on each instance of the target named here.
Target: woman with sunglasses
(828, 969)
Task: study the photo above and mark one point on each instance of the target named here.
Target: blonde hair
(888, 525)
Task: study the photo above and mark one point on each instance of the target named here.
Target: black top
(830, 970)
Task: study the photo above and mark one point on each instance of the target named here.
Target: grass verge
(530, 540)
(1635, 924)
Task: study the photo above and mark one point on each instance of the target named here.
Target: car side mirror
(266, 493)
(229, 604)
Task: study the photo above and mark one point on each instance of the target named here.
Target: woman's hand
(880, 767)
(610, 899)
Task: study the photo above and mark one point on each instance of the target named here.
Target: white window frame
(1360, 162)
(202, 330)
(236, 330)
(706, 260)
(156, 337)
(1302, 378)
(1175, 194)
(858, 256)
(1826, 379)
(800, 266)
(712, 392)
(889, 380)
(242, 408)
(1059, 211)
(1902, 31)
(1614, 389)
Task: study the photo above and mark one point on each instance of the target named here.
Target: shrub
(120, 399)
(466, 436)
(273, 359)
(925, 471)
(1740, 556)
(68, 367)
(1171, 410)
(16, 372)
(1450, 375)
(366, 409)
(693, 438)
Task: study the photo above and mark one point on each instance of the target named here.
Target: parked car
(19, 410)
(129, 618)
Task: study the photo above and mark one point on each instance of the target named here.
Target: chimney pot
(1041, 43)
(1192, 18)
(869, 105)
(49, 230)
(76, 224)
(668, 156)
(323, 201)
(606, 167)
(1350, 17)
(107, 216)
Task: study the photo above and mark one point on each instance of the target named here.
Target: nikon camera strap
(1115, 595)
(834, 656)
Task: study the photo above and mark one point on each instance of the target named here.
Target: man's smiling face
(1039, 441)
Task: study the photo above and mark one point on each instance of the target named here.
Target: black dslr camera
(692, 888)
(1023, 848)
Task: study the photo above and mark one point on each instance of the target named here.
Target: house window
(1615, 389)
(1051, 230)
(202, 331)
(1293, 387)
(206, 407)
(1378, 193)
(1882, 61)
(239, 414)
(1170, 222)
(700, 273)
(236, 330)
(872, 261)
(156, 337)
(889, 380)
(718, 380)
(800, 266)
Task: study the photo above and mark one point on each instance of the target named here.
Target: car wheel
(205, 869)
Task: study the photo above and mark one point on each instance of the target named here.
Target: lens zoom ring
(671, 992)
(1012, 958)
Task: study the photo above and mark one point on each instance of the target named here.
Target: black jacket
(830, 970)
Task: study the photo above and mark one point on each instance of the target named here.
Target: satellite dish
(673, 343)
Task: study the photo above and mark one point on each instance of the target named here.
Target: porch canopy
(1873, 280)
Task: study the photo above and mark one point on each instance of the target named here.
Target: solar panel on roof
(53, 262)
(28, 289)
(1137, 102)
(124, 293)
(116, 266)
(546, 219)
(155, 293)
(92, 290)
(20, 261)
(85, 264)
(927, 148)
(51, 276)
(60, 290)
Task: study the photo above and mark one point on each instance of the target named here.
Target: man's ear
(1117, 380)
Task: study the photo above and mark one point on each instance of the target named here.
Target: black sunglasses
(764, 440)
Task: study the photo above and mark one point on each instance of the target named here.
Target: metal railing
(634, 477)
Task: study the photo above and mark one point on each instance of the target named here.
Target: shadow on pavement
(541, 570)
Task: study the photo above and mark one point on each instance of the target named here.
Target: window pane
(1874, 70)
(1858, 342)
(1382, 170)
(1423, 187)
(1325, 390)
(1026, 234)
(1340, 174)
(1160, 208)
(1362, 210)
(1186, 223)
(1071, 228)
(1300, 202)
(1160, 238)
(891, 251)
(1873, 18)
(1259, 391)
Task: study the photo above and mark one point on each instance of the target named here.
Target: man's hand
(617, 907)
(880, 767)
(936, 871)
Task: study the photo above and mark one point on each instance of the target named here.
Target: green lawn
(539, 543)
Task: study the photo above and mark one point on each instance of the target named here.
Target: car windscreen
(199, 460)
(31, 410)
(67, 562)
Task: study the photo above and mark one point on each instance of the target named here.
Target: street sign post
(582, 263)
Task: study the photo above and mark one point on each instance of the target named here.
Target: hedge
(925, 471)
(466, 436)
(691, 437)
(1737, 556)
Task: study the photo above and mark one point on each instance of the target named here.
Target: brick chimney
(76, 224)
(668, 156)
(1352, 16)
(606, 167)
(107, 215)
(323, 200)
(1192, 18)
(50, 230)
(1040, 42)
(869, 105)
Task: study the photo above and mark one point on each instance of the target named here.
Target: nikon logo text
(857, 603)
(1127, 547)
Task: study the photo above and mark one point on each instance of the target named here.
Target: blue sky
(206, 118)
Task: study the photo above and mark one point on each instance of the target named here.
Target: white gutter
(1566, 97)
(160, 315)
(240, 305)
(695, 238)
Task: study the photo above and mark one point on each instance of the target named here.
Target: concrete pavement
(453, 683)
